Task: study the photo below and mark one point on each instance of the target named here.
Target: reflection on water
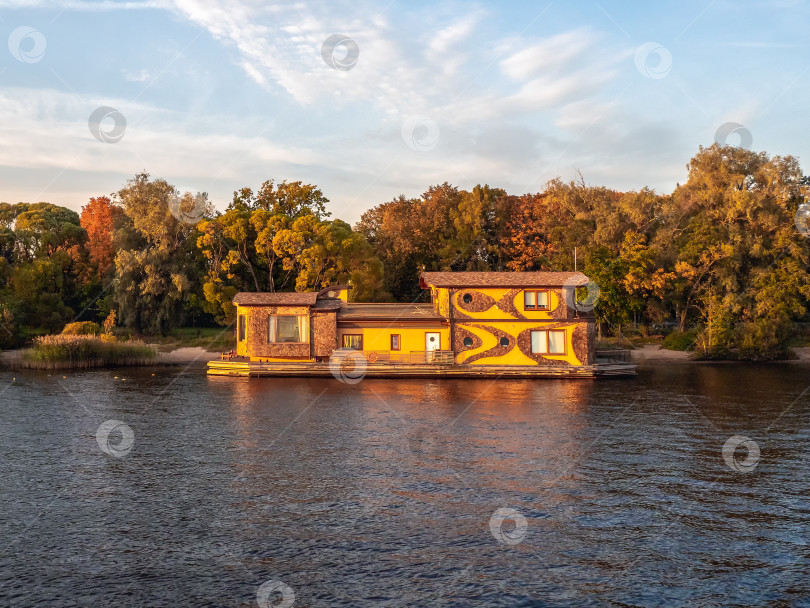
(382, 493)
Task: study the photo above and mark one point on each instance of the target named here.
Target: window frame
(536, 307)
(241, 328)
(399, 342)
(343, 340)
(548, 343)
(272, 328)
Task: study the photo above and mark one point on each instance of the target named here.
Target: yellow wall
(411, 339)
(241, 347)
(514, 356)
(443, 298)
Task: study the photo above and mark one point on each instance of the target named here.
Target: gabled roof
(501, 279)
(246, 298)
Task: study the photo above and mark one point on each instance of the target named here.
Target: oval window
(467, 298)
(504, 342)
(468, 342)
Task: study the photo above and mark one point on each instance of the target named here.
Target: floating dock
(256, 369)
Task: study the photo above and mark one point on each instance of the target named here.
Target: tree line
(721, 255)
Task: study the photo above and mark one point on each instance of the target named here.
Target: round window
(467, 298)
(468, 342)
(331, 294)
(432, 338)
(504, 342)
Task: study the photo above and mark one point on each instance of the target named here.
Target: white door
(432, 340)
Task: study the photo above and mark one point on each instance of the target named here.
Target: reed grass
(79, 352)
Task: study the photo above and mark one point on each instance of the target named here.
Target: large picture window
(551, 342)
(287, 328)
(535, 300)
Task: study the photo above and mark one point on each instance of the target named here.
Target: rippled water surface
(382, 493)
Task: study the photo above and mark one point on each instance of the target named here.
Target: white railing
(414, 357)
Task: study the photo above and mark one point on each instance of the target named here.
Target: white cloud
(509, 110)
(140, 76)
(81, 5)
(44, 128)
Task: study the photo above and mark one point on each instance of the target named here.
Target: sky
(370, 100)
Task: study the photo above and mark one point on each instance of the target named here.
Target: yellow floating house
(524, 324)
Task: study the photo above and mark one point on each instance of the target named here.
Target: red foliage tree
(99, 218)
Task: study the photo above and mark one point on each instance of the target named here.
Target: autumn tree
(99, 219)
(157, 265)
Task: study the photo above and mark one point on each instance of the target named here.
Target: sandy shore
(654, 352)
(803, 354)
(189, 354)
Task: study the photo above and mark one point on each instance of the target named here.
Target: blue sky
(217, 96)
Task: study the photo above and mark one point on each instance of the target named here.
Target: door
(432, 343)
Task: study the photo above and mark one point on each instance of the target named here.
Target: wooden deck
(254, 369)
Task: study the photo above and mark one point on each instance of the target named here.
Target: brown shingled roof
(501, 279)
(246, 298)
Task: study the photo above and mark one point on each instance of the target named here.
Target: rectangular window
(241, 336)
(550, 342)
(539, 342)
(287, 328)
(556, 342)
(535, 300)
(394, 341)
(354, 341)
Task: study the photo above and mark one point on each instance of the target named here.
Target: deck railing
(414, 357)
(613, 355)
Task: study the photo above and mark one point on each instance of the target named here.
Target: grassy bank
(212, 339)
(79, 352)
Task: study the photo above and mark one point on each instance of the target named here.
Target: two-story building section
(514, 318)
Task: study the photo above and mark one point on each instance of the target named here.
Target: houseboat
(496, 324)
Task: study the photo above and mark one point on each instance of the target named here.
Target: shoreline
(653, 353)
(185, 355)
(647, 354)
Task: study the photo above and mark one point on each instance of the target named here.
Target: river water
(310, 492)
